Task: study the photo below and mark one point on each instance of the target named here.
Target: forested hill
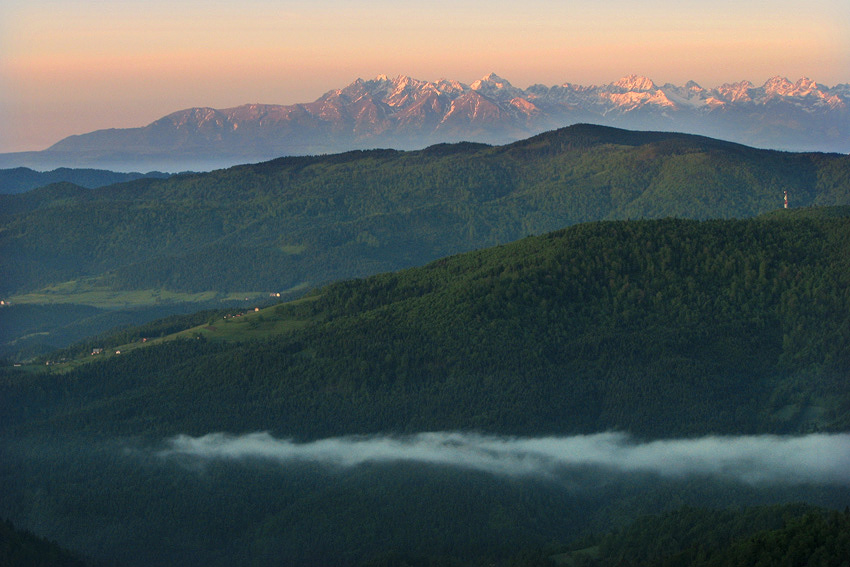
(21, 179)
(275, 225)
(790, 534)
(19, 548)
(658, 328)
(134, 251)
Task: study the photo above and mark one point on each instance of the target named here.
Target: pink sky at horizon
(74, 66)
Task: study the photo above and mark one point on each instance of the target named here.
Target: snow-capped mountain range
(407, 113)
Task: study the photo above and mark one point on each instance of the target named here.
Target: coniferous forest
(151, 248)
(263, 439)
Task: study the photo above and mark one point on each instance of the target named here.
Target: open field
(87, 292)
(238, 324)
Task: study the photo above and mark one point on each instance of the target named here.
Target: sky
(74, 66)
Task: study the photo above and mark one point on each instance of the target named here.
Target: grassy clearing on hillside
(88, 292)
(292, 249)
(572, 558)
(250, 323)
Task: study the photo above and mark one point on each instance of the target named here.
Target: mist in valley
(770, 459)
(223, 499)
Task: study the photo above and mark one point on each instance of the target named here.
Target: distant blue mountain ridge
(407, 113)
(21, 179)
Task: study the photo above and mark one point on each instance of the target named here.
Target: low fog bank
(810, 459)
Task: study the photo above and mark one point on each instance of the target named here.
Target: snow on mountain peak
(494, 78)
(524, 105)
(450, 86)
(735, 92)
(404, 89)
(492, 109)
(805, 86)
(497, 88)
(778, 85)
(491, 81)
(635, 83)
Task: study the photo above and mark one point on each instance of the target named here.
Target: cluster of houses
(240, 314)
(96, 351)
(99, 350)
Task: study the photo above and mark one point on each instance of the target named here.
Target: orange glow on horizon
(127, 63)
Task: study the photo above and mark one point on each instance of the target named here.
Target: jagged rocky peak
(806, 87)
(778, 85)
(399, 81)
(537, 89)
(491, 80)
(806, 83)
(737, 86)
(736, 92)
(378, 87)
(404, 86)
(497, 88)
(355, 89)
(410, 112)
(524, 106)
(783, 87)
(194, 117)
(403, 89)
(635, 83)
(450, 86)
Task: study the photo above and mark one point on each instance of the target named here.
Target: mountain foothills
(660, 329)
(21, 179)
(296, 432)
(19, 548)
(406, 113)
(777, 535)
(294, 223)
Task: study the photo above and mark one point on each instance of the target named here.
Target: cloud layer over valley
(817, 458)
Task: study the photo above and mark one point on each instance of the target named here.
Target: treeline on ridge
(795, 535)
(20, 548)
(278, 224)
(659, 328)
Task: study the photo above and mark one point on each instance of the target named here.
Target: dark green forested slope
(660, 328)
(304, 221)
(21, 179)
(276, 224)
(791, 535)
(19, 548)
